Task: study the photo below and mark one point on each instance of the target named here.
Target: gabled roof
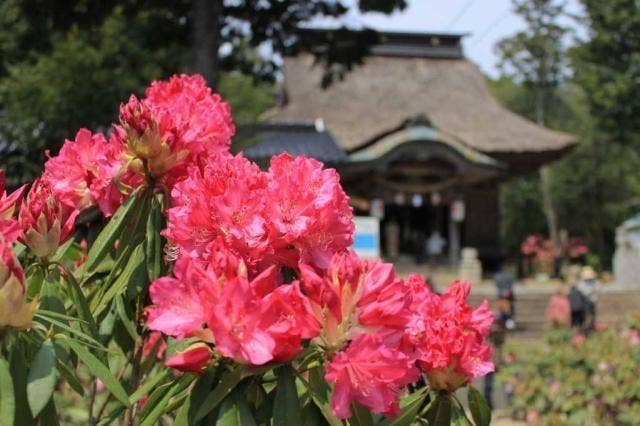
(387, 89)
(296, 139)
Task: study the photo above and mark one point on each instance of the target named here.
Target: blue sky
(486, 22)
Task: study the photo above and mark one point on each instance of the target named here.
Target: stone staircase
(531, 304)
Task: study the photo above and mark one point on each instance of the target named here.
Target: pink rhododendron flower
(227, 204)
(308, 211)
(354, 296)
(82, 174)
(178, 121)
(252, 322)
(371, 373)
(236, 325)
(194, 359)
(9, 227)
(46, 223)
(288, 317)
(181, 304)
(451, 348)
(220, 206)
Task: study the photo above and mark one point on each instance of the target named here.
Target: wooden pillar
(454, 241)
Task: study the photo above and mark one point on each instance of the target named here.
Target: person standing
(559, 309)
(435, 246)
(588, 288)
(504, 282)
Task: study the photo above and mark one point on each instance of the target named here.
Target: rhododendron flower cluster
(84, 171)
(294, 211)
(262, 273)
(178, 121)
(451, 346)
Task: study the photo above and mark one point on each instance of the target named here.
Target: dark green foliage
(67, 65)
(596, 187)
(607, 67)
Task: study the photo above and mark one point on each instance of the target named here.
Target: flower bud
(14, 310)
(46, 223)
(194, 359)
(149, 147)
(446, 379)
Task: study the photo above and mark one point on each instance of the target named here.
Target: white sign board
(366, 241)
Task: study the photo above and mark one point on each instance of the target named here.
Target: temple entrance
(415, 224)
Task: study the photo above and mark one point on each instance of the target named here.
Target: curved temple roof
(386, 90)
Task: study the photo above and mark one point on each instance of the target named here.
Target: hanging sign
(458, 211)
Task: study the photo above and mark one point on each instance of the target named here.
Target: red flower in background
(576, 248)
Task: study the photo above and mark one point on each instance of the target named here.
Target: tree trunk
(207, 16)
(545, 180)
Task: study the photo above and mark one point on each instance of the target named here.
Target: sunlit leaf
(42, 378)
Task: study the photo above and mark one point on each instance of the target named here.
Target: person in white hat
(588, 286)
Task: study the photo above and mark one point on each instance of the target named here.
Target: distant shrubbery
(570, 379)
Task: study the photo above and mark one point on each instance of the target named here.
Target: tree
(66, 65)
(593, 189)
(534, 56)
(607, 67)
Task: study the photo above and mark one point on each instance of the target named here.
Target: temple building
(417, 138)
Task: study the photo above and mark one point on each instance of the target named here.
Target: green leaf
(286, 406)
(235, 411)
(154, 241)
(198, 393)
(459, 418)
(19, 372)
(439, 411)
(7, 395)
(42, 378)
(60, 325)
(361, 416)
(49, 415)
(71, 379)
(134, 270)
(82, 307)
(105, 240)
(479, 408)
(320, 391)
(159, 405)
(227, 383)
(50, 299)
(101, 371)
(62, 251)
(149, 384)
(34, 281)
(311, 415)
(410, 405)
(128, 324)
